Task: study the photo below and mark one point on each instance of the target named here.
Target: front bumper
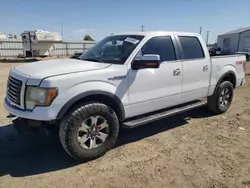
(243, 81)
(39, 113)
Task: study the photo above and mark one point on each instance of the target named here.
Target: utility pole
(207, 36)
(142, 27)
(30, 43)
(62, 30)
(200, 30)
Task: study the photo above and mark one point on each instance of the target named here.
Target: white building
(2, 36)
(235, 41)
(40, 43)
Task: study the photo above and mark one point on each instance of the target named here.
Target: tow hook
(21, 126)
(29, 127)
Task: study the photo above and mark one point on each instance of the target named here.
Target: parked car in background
(215, 51)
(76, 55)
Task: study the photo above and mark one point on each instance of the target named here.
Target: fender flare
(223, 76)
(80, 96)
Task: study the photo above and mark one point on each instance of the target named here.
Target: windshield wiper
(92, 59)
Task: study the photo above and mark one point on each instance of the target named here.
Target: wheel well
(102, 98)
(229, 77)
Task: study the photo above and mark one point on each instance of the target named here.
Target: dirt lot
(194, 149)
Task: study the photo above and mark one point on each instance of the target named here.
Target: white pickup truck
(125, 80)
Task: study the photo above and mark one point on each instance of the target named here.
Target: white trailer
(40, 43)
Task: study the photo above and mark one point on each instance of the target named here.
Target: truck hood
(49, 68)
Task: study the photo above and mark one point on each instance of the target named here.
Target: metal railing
(15, 47)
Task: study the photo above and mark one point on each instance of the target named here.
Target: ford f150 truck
(125, 80)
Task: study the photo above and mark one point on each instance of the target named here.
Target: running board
(163, 114)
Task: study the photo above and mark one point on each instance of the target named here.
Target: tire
(74, 136)
(215, 102)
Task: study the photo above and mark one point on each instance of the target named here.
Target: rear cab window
(191, 47)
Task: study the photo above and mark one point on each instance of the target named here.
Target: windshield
(113, 49)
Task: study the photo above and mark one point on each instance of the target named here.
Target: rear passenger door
(196, 68)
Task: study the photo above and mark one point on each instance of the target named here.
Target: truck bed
(224, 63)
(227, 56)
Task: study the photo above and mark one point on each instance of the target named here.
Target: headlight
(36, 96)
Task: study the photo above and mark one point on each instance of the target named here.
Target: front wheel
(89, 131)
(222, 98)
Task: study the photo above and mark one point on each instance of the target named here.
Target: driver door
(153, 89)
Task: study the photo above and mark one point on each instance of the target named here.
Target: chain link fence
(15, 48)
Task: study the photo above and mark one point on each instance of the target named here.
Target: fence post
(30, 42)
(67, 52)
(83, 45)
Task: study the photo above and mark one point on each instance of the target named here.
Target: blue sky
(103, 17)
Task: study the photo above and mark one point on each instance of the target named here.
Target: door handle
(205, 67)
(177, 72)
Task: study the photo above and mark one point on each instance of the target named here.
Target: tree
(88, 38)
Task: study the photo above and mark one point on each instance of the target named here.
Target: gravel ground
(194, 149)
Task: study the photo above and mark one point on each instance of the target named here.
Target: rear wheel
(89, 131)
(222, 98)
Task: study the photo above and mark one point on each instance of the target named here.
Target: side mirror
(146, 61)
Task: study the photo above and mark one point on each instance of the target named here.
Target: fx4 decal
(117, 78)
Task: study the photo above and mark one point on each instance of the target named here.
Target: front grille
(14, 87)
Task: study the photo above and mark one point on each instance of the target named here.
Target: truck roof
(147, 33)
